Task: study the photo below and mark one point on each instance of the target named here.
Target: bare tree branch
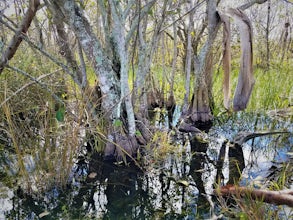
(251, 3)
(34, 46)
(27, 85)
(137, 19)
(36, 81)
(288, 2)
(182, 16)
(17, 38)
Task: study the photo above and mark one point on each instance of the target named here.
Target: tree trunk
(200, 108)
(119, 36)
(268, 29)
(188, 59)
(107, 78)
(145, 55)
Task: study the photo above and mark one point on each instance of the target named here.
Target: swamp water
(178, 187)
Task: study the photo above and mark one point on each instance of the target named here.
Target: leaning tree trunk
(22, 29)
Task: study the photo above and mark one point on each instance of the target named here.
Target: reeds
(37, 151)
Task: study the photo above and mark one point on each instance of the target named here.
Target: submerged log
(283, 197)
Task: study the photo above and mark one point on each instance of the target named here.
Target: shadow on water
(180, 187)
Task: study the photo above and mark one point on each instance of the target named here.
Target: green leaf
(151, 12)
(117, 123)
(60, 114)
(138, 133)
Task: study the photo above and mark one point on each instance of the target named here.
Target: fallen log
(282, 197)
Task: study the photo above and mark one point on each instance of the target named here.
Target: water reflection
(180, 187)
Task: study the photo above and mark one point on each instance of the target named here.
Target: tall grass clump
(39, 135)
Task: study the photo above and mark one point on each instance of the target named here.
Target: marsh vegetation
(145, 109)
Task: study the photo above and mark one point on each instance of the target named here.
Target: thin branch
(34, 46)
(42, 85)
(251, 3)
(137, 19)
(128, 8)
(182, 16)
(8, 19)
(288, 2)
(27, 85)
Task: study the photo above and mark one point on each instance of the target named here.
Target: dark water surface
(179, 187)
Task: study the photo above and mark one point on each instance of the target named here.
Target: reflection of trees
(197, 164)
(236, 163)
(123, 192)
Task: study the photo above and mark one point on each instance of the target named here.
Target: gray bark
(109, 84)
(66, 51)
(188, 61)
(119, 36)
(251, 3)
(145, 55)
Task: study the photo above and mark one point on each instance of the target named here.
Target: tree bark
(226, 60)
(146, 51)
(200, 110)
(245, 78)
(188, 59)
(119, 36)
(107, 78)
(251, 3)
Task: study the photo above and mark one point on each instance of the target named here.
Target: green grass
(272, 89)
